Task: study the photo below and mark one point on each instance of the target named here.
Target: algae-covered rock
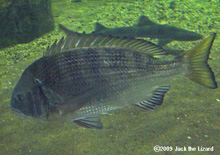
(24, 20)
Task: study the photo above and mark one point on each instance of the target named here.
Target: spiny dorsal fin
(144, 21)
(54, 48)
(78, 40)
(155, 99)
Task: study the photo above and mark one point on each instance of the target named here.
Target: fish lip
(16, 111)
(19, 113)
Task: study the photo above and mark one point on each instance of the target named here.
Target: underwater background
(189, 115)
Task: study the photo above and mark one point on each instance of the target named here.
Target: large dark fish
(83, 76)
(147, 28)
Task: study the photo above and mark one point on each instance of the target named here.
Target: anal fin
(89, 122)
(155, 99)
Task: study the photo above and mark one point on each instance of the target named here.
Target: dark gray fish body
(151, 31)
(81, 82)
(146, 28)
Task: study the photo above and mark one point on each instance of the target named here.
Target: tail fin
(198, 69)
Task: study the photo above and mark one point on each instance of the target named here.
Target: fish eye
(20, 97)
(38, 81)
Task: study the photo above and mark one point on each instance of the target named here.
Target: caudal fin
(198, 69)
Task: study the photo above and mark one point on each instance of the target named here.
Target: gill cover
(28, 97)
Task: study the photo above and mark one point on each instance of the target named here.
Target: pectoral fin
(155, 99)
(89, 122)
(162, 42)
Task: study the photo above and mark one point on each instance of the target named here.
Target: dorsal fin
(144, 21)
(78, 40)
(65, 30)
(99, 27)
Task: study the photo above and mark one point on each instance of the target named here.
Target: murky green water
(189, 115)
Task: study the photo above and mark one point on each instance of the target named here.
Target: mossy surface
(189, 115)
(24, 20)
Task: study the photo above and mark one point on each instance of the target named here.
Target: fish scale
(122, 71)
(83, 76)
(128, 63)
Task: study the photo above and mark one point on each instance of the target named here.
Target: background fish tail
(198, 68)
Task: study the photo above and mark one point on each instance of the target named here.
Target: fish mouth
(19, 113)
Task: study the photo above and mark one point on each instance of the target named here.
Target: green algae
(189, 115)
(24, 20)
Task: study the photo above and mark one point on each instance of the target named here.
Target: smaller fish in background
(146, 28)
(83, 76)
(76, 1)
